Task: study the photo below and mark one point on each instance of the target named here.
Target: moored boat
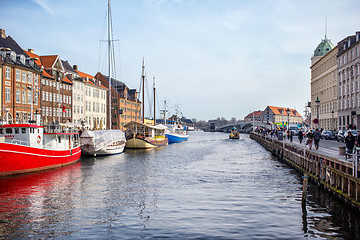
(102, 142)
(176, 134)
(27, 148)
(143, 136)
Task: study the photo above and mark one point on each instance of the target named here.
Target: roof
(38, 62)
(67, 66)
(89, 79)
(66, 79)
(48, 61)
(9, 42)
(281, 110)
(158, 127)
(255, 114)
(33, 55)
(323, 48)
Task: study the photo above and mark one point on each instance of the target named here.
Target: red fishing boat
(28, 148)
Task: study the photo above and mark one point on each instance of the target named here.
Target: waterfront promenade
(327, 147)
(325, 165)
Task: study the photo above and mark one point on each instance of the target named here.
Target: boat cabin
(22, 134)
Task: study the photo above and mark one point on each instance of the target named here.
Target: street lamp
(317, 101)
(332, 119)
(288, 113)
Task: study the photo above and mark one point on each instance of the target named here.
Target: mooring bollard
(305, 184)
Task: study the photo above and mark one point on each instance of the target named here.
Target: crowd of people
(313, 137)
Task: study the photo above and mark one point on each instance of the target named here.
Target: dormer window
(22, 59)
(13, 56)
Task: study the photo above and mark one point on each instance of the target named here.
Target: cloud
(45, 6)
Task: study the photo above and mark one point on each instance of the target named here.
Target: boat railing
(20, 142)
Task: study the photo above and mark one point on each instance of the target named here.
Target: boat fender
(38, 139)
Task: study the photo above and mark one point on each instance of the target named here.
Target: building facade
(20, 85)
(56, 89)
(124, 103)
(348, 60)
(280, 116)
(90, 101)
(324, 90)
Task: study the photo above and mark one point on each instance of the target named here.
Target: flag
(64, 108)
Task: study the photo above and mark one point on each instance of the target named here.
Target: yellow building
(324, 90)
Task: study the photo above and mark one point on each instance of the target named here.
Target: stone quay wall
(338, 176)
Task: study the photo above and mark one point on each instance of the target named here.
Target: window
(29, 97)
(30, 77)
(43, 111)
(23, 73)
(8, 130)
(43, 96)
(18, 99)
(43, 81)
(47, 111)
(50, 111)
(23, 100)
(46, 96)
(36, 79)
(7, 73)
(7, 94)
(18, 75)
(36, 98)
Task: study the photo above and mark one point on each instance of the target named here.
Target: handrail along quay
(337, 175)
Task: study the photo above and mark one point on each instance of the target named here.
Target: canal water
(209, 187)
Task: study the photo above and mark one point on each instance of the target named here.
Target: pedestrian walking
(291, 136)
(350, 142)
(300, 136)
(317, 137)
(310, 137)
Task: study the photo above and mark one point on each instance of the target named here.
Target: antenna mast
(109, 52)
(154, 102)
(143, 89)
(325, 27)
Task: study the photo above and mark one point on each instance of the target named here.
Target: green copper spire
(324, 47)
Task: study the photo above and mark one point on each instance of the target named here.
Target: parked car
(353, 132)
(340, 136)
(328, 135)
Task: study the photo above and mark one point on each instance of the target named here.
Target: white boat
(102, 142)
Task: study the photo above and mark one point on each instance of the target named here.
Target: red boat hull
(15, 159)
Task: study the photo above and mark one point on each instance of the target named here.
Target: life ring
(38, 139)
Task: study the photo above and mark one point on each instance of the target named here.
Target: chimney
(2, 32)
(75, 67)
(31, 50)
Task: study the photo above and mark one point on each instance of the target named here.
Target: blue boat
(176, 134)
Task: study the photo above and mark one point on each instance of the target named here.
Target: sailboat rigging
(142, 135)
(104, 142)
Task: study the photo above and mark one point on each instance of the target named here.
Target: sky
(211, 58)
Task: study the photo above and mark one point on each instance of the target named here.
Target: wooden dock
(335, 174)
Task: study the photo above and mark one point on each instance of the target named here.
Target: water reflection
(36, 201)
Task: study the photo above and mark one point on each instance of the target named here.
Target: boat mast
(154, 103)
(109, 53)
(143, 91)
